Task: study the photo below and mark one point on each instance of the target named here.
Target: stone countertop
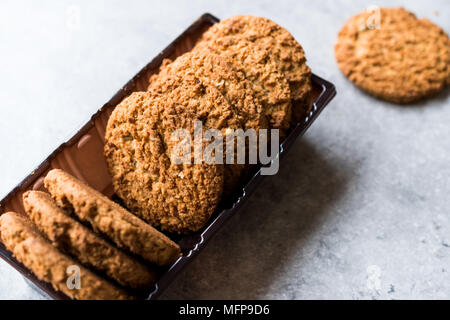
(360, 206)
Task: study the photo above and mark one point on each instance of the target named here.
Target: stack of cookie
(244, 73)
(77, 230)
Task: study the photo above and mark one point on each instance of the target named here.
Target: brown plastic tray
(82, 156)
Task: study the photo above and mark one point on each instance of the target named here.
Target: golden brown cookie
(49, 264)
(202, 71)
(69, 235)
(213, 73)
(110, 219)
(263, 72)
(138, 148)
(284, 49)
(403, 59)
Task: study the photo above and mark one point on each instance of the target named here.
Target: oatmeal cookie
(264, 74)
(110, 219)
(284, 49)
(70, 236)
(203, 69)
(214, 75)
(403, 59)
(138, 150)
(30, 248)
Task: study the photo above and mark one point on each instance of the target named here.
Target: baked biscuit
(138, 148)
(215, 73)
(110, 219)
(284, 49)
(264, 74)
(203, 70)
(70, 236)
(403, 59)
(50, 265)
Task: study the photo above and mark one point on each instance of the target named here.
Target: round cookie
(48, 264)
(401, 60)
(263, 73)
(107, 217)
(175, 197)
(286, 51)
(203, 70)
(71, 236)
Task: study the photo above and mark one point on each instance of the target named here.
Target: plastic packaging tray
(82, 156)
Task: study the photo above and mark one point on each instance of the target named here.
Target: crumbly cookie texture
(71, 236)
(30, 248)
(107, 217)
(403, 59)
(213, 75)
(200, 72)
(284, 49)
(138, 150)
(263, 72)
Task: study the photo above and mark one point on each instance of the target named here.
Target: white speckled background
(360, 208)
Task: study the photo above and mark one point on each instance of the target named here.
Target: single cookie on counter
(283, 47)
(30, 248)
(138, 150)
(399, 58)
(71, 236)
(108, 218)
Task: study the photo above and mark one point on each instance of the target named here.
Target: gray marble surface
(360, 207)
